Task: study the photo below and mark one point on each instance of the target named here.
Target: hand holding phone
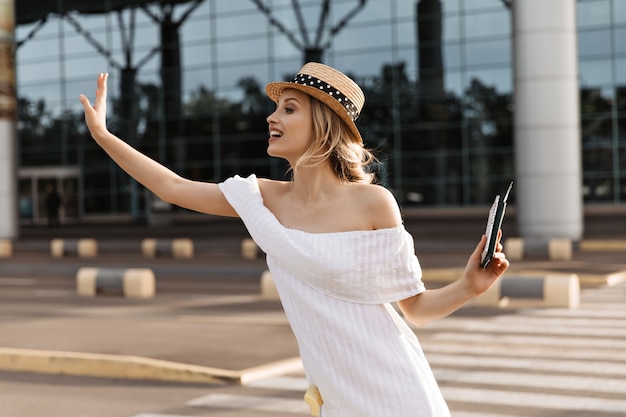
(494, 223)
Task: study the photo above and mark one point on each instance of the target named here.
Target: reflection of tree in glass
(225, 137)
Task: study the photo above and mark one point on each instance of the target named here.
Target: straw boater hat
(329, 86)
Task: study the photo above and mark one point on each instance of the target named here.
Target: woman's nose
(271, 118)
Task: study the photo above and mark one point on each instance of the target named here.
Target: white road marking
(591, 385)
(251, 402)
(530, 364)
(534, 400)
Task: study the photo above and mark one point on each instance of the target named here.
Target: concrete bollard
(178, 248)
(514, 248)
(83, 248)
(249, 249)
(554, 290)
(6, 248)
(268, 288)
(562, 290)
(132, 283)
(560, 249)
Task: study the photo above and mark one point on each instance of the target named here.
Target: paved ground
(209, 319)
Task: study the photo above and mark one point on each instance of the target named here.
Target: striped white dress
(336, 289)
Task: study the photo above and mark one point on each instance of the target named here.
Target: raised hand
(96, 115)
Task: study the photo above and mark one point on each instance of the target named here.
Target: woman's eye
(288, 110)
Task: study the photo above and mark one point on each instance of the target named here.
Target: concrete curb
(603, 245)
(608, 280)
(135, 367)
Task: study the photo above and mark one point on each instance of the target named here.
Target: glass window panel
(87, 66)
(229, 77)
(452, 56)
(621, 106)
(488, 24)
(453, 83)
(593, 13)
(405, 34)
(481, 4)
(283, 49)
(620, 72)
(450, 6)
(195, 30)
(451, 28)
(620, 40)
(78, 48)
(241, 50)
(373, 10)
(490, 52)
(499, 78)
(200, 54)
(40, 73)
(358, 36)
(363, 65)
(430, 176)
(43, 45)
(238, 25)
(595, 73)
(593, 43)
(241, 6)
(598, 186)
(597, 131)
(619, 11)
(409, 57)
(595, 101)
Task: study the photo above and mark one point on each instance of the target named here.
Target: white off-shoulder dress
(335, 289)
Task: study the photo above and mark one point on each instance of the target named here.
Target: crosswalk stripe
(472, 414)
(534, 400)
(536, 360)
(538, 328)
(600, 385)
(572, 313)
(533, 340)
(250, 402)
(530, 364)
(510, 379)
(18, 282)
(578, 322)
(524, 350)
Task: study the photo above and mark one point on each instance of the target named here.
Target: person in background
(53, 204)
(336, 247)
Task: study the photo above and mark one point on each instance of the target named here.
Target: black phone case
(494, 223)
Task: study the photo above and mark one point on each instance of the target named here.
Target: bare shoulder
(268, 185)
(272, 189)
(380, 205)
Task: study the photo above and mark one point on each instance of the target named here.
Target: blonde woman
(335, 244)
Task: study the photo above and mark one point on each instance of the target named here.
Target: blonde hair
(333, 141)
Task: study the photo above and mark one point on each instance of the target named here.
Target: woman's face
(290, 126)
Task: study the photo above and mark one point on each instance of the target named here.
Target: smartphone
(494, 223)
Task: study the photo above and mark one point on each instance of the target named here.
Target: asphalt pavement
(209, 324)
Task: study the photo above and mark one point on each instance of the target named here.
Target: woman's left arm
(435, 304)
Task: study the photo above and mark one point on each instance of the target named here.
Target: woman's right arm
(203, 197)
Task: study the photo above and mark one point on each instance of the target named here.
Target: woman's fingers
(84, 101)
(101, 92)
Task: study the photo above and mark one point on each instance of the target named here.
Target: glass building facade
(187, 79)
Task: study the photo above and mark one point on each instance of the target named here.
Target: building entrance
(49, 195)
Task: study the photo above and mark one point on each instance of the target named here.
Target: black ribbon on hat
(311, 81)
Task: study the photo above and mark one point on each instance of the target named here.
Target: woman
(335, 244)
